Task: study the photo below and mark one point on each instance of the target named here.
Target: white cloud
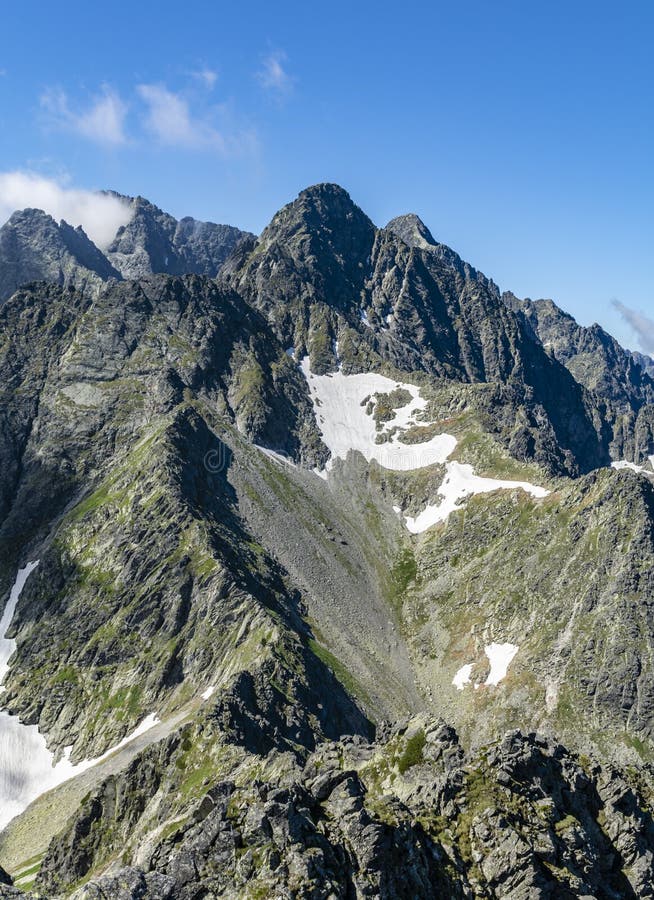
(640, 324)
(170, 120)
(100, 215)
(103, 121)
(272, 75)
(207, 76)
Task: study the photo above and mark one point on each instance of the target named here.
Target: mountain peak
(325, 190)
(412, 230)
(325, 212)
(30, 216)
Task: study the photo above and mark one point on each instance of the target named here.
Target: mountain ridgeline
(33, 247)
(372, 540)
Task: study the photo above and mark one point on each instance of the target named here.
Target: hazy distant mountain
(645, 362)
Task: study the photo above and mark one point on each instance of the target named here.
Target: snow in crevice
(278, 457)
(27, 767)
(8, 645)
(624, 464)
(340, 408)
(460, 482)
(209, 692)
(363, 315)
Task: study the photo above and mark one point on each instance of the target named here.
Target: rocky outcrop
(83, 378)
(645, 362)
(346, 293)
(412, 815)
(182, 555)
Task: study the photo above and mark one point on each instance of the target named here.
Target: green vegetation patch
(413, 752)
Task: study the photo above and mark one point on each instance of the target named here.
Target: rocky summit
(327, 570)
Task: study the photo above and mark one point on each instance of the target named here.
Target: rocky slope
(411, 815)
(645, 362)
(211, 546)
(324, 275)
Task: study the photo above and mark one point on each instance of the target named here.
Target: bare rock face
(33, 247)
(645, 362)
(619, 380)
(326, 278)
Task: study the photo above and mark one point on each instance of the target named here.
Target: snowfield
(462, 677)
(345, 425)
(459, 483)
(500, 657)
(27, 767)
(340, 403)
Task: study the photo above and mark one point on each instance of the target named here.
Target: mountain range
(345, 569)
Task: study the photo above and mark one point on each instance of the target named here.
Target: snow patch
(462, 677)
(500, 657)
(345, 425)
(143, 726)
(209, 692)
(624, 464)
(364, 318)
(342, 409)
(459, 483)
(26, 764)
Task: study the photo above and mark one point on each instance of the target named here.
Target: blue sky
(521, 133)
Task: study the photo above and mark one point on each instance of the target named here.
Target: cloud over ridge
(100, 215)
